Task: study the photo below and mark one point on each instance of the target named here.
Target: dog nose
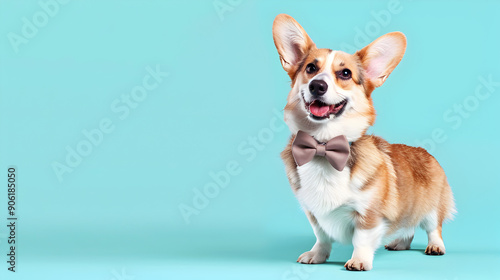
(318, 87)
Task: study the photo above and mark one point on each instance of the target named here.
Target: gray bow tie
(305, 147)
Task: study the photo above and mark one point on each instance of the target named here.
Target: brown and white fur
(386, 190)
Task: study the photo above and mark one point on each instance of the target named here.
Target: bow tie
(305, 147)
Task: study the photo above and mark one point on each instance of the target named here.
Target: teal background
(116, 215)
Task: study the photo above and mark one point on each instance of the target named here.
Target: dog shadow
(286, 249)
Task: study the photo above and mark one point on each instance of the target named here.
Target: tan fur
(290, 165)
(311, 218)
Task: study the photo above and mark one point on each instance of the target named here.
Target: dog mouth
(319, 110)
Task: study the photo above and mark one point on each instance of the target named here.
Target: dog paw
(312, 257)
(435, 250)
(355, 264)
(397, 245)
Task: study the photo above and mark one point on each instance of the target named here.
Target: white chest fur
(331, 197)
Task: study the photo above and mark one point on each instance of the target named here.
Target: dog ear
(292, 42)
(381, 56)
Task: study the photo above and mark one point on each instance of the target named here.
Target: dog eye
(344, 74)
(311, 68)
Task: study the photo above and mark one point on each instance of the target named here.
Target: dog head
(331, 90)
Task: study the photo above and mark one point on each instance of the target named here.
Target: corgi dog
(384, 191)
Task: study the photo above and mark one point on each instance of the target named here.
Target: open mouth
(319, 110)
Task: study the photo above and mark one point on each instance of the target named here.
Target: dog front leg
(365, 242)
(320, 252)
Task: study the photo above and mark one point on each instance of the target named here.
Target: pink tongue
(319, 111)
